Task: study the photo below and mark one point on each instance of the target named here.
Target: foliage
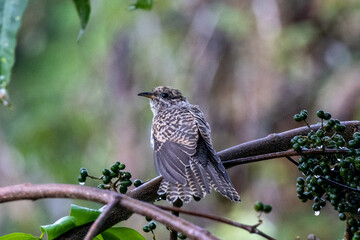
(332, 178)
(78, 216)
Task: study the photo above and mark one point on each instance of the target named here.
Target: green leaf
(78, 216)
(61, 226)
(83, 215)
(19, 236)
(11, 12)
(142, 4)
(83, 8)
(121, 233)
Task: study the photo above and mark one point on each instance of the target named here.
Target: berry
(320, 114)
(126, 183)
(106, 172)
(81, 179)
(298, 118)
(122, 166)
(148, 218)
(259, 207)
(327, 116)
(181, 236)
(127, 175)
(342, 216)
(101, 186)
(152, 225)
(138, 182)
(84, 172)
(146, 228)
(106, 179)
(123, 189)
(267, 208)
(115, 168)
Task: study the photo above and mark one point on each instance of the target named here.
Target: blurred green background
(250, 65)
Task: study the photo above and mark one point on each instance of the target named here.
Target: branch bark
(40, 191)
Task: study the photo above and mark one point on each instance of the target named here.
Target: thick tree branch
(277, 142)
(40, 191)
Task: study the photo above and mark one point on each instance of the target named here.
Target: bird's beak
(147, 94)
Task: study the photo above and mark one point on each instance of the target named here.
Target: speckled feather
(183, 150)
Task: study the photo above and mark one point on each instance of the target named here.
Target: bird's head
(162, 98)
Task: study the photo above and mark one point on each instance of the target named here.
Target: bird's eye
(164, 95)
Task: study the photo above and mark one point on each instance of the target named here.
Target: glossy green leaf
(78, 216)
(83, 9)
(19, 236)
(122, 233)
(83, 215)
(11, 12)
(61, 226)
(142, 4)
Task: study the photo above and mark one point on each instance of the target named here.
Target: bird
(183, 151)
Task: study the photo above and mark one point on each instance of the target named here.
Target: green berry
(81, 179)
(342, 216)
(115, 168)
(181, 236)
(117, 163)
(106, 172)
(327, 116)
(298, 117)
(138, 182)
(106, 179)
(126, 183)
(152, 225)
(122, 166)
(259, 207)
(146, 228)
(127, 175)
(123, 189)
(148, 218)
(101, 186)
(267, 208)
(320, 114)
(84, 172)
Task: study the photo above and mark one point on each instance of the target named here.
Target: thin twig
(290, 152)
(99, 222)
(249, 228)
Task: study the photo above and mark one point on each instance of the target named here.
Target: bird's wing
(204, 130)
(175, 136)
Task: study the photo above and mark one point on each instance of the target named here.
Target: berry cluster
(114, 178)
(335, 177)
(150, 226)
(260, 207)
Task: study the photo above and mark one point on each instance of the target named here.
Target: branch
(249, 228)
(40, 191)
(287, 153)
(278, 142)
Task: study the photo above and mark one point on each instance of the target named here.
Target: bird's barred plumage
(183, 151)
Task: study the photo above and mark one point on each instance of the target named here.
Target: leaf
(142, 4)
(83, 8)
(121, 233)
(61, 226)
(78, 216)
(83, 215)
(11, 12)
(19, 236)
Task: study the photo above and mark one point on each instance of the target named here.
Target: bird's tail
(200, 181)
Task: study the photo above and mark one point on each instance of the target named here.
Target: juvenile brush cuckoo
(183, 150)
